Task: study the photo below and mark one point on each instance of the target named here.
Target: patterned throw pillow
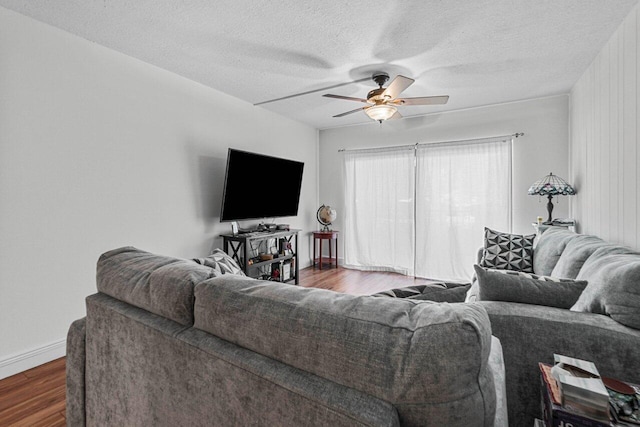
(438, 292)
(221, 263)
(527, 288)
(506, 251)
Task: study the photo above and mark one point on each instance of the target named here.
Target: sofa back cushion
(576, 252)
(549, 248)
(613, 273)
(160, 284)
(428, 359)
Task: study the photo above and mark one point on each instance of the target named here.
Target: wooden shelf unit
(241, 247)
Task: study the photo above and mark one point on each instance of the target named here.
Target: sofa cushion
(160, 284)
(527, 288)
(507, 251)
(549, 248)
(221, 263)
(427, 359)
(576, 252)
(614, 285)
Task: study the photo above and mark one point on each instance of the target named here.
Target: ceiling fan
(383, 102)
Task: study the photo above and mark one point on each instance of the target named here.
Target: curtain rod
(513, 135)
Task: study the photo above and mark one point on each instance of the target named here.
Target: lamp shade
(381, 112)
(551, 185)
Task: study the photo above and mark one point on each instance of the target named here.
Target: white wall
(604, 139)
(543, 148)
(97, 151)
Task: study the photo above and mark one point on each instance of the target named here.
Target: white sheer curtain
(379, 209)
(422, 210)
(460, 189)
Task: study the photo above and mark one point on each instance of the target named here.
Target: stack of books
(564, 222)
(560, 412)
(574, 394)
(581, 387)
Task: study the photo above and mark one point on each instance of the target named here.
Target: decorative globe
(326, 215)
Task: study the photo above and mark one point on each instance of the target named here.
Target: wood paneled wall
(604, 153)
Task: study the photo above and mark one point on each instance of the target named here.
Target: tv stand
(245, 248)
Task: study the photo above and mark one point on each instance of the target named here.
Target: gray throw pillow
(507, 251)
(527, 288)
(221, 263)
(614, 285)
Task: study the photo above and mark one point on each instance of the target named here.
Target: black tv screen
(260, 186)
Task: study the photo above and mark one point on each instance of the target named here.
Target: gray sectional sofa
(601, 324)
(172, 342)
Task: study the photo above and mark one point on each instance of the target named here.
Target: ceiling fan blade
(348, 98)
(313, 91)
(424, 100)
(396, 87)
(350, 112)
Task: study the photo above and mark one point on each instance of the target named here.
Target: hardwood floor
(37, 397)
(355, 282)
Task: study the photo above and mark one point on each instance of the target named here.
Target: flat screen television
(259, 186)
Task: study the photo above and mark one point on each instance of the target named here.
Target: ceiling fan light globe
(381, 112)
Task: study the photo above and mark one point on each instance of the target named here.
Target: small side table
(319, 236)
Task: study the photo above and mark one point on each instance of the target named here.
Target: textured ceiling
(478, 52)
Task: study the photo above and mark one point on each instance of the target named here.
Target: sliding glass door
(422, 210)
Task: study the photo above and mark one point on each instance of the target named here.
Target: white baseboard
(32, 358)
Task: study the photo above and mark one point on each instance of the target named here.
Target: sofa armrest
(75, 370)
(530, 334)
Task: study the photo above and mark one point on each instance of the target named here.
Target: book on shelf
(586, 395)
(563, 222)
(286, 271)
